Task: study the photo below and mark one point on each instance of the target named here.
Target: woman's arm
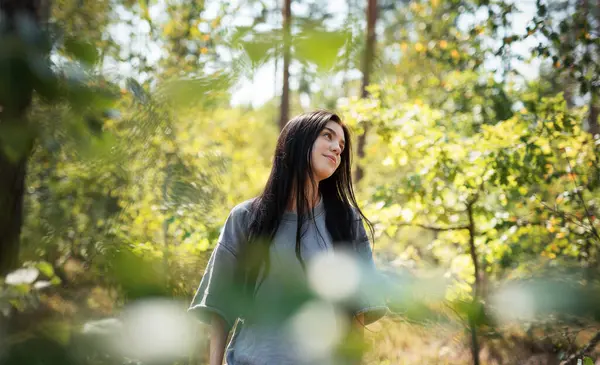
(218, 336)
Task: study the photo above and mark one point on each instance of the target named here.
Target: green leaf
(81, 50)
(319, 47)
(588, 361)
(200, 90)
(59, 331)
(542, 10)
(259, 50)
(22, 288)
(45, 268)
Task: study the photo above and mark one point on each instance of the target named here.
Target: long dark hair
(289, 174)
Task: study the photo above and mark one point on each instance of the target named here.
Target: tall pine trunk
(369, 55)
(15, 99)
(287, 40)
(594, 113)
(12, 188)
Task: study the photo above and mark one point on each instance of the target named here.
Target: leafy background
(122, 152)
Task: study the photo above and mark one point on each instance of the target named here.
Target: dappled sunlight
(334, 277)
(155, 330)
(514, 304)
(22, 276)
(318, 327)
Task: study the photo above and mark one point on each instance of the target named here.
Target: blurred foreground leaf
(320, 47)
(139, 277)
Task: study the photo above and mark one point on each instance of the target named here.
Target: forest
(129, 129)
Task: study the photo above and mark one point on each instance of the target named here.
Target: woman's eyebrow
(335, 134)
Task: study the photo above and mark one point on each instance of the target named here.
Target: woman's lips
(331, 158)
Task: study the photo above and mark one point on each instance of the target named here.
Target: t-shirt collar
(318, 210)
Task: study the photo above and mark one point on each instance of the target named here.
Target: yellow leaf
(169, 28)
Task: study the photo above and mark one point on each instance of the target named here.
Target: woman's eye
(328, 135)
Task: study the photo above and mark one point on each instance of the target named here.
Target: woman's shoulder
(243, 208)
(235, 230)
(240, 215)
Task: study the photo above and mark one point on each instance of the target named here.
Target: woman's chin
(325, 176)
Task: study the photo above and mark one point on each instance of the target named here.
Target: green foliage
(310, 46)
(504, 172)
(572, 43)
(128, 183)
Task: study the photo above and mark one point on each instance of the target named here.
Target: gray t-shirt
(265, 339)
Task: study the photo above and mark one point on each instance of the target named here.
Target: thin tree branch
(571, 218)
(434, 228)
(590, 345)
(585, 208)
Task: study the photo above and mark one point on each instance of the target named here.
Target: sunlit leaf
(319, 47)
(201, 90)
(45, 268)
(261, 47)
(22, 276)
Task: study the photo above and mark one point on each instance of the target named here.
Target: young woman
(258, 266)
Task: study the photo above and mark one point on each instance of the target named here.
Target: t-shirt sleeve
(370, 299)
(218, 291)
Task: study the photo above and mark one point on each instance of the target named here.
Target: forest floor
(400, 343)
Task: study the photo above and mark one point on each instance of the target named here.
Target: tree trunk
(12, 187)
(477, 289)
(593, 124)
(594, 112)
(13, 109)
(590, 17)
(287, 40)
(366, 71)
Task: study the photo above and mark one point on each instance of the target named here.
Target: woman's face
(326, 153)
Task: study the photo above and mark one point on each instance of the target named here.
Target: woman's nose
(335, 147)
